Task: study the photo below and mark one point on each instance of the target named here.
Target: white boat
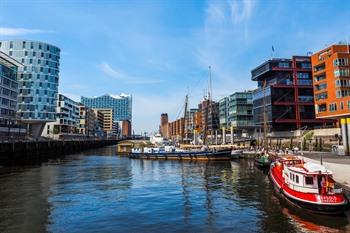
(236, 154)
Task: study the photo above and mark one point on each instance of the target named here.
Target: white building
(67, 120)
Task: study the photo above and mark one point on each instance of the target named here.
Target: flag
(273, 49)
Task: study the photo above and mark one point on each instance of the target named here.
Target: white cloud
(122, 76)
(241, 11)
(5, 31)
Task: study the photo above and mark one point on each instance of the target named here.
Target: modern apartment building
(121, 105)
(67, 121)
(37, 81)
(285, 93)
(331, 81)
(224, 112)
(110, 127)
(87, 121)
(8, 89)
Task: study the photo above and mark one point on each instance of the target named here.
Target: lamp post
(301, 139)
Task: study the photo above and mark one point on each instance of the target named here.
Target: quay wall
(17, 153)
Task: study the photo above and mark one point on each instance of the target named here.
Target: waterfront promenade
(339, 165)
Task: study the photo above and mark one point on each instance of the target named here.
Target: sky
(160, 50)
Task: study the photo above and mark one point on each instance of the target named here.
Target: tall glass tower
(37, 81)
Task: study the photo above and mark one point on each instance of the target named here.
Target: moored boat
(183, 154)
(307, 185)
(263, 161)
(236, 154)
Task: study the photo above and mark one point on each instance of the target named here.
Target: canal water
(97, 191)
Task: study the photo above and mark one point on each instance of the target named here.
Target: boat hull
(219, 155)
(319, 208)
(262, 164)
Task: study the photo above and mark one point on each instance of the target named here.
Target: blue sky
(159, 50)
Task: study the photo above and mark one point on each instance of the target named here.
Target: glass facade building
(8, 89)
(37, 79)
(121, 105)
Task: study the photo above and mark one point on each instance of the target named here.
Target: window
(340, 62)
(23, 44)
(297, 179)
(309, 180)
(341, 72)
(283, 64)
(31, 45)
(39, 46)
(341, 105)
(333, 107)
(11, 45)
(10, 53)
(25, 53)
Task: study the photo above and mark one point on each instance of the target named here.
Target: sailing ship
(307, 185)
(205, 153)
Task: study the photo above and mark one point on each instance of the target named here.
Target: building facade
(8, 89)
(109, 126)
(121, 105)
(37, 81)
(67, 121)
(285, 93)
(126, 128)
(331, 81)
(164, 125)
(87, 121)
(224, 112)
(210, 116)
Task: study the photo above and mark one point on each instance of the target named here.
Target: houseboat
(307, 185)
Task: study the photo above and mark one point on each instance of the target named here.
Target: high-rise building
(9, 89)
(37, 79)
(331, 76)
(121, 105)
(285, 93)
(67, 121)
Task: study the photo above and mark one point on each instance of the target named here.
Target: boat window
(309, 180)
(297, 178)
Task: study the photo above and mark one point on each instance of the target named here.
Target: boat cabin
(309, 178)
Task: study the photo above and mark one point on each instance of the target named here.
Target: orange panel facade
(331, 80)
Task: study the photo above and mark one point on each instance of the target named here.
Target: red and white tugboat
(307, 185)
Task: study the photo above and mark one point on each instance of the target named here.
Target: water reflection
(100, 192)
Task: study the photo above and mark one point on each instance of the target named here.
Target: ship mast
(207, 102)
(185, 127)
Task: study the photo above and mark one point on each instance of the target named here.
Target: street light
(301, 140)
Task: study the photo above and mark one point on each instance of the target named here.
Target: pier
(17, 153)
